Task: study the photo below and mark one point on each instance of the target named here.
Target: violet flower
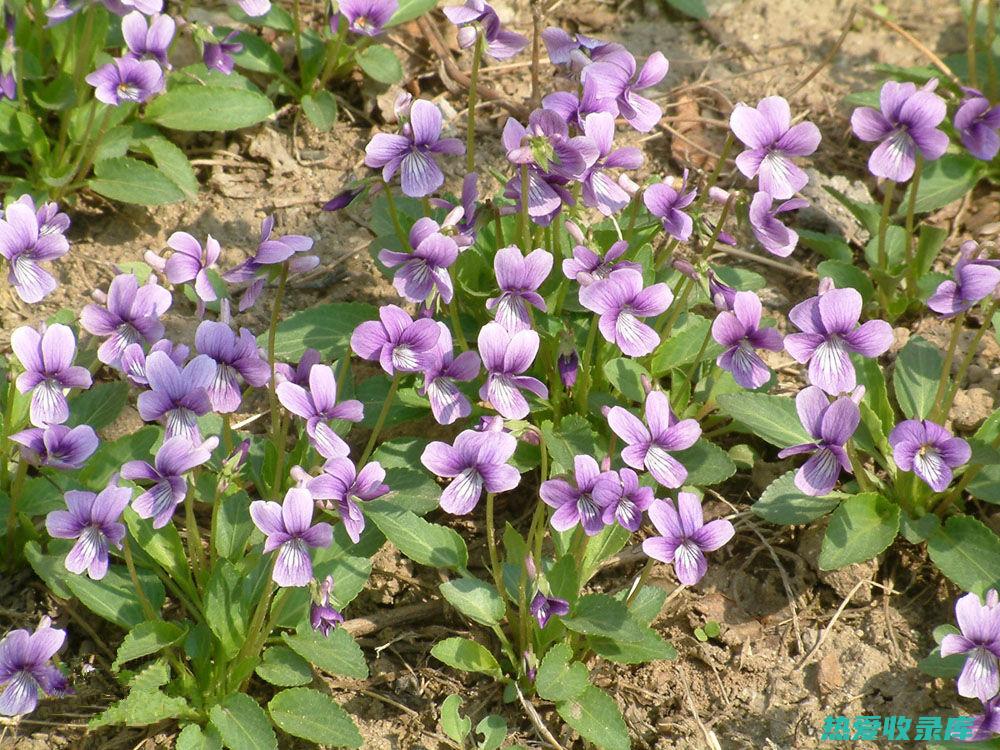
(667, 205)
(442, 370)
(648, 446)
(300, 375)
(346, 486)
(25, 668)
(218, 55)
(57, 446)
(318, 405)
(620, 301)
(771, 141)
(175, 458)
(830, 332)
(412, 153)
(133, 359)
(830, 426)
(461, 219)
(569, 366)
(271, 252)
(322, 616)
(519, 278)
(616, 78)
(506, 356)
(741, 333)
(152, 38)
(546, 144)
(574, 51)
(600, 191)
(973, 280)
(93, 520)
(255, 8)
(907, 122)
(426, 268)
(685, 537)
(584, 501)
(289, 529)
(929, 451)
(476, 461)
(189, 262)
(543, 608)
(126, 79)
(177, 396)
(979, 622)
(547, 194)
(368, 17)
(586, 266)
(47, 359)
(723, 296)
(774, 236)
(500, 43)
(632, 500)
(132, 315)
(234, 356)
(977, 123)
(25, 242)
(987, 725)
(574, 108)
(395, 340)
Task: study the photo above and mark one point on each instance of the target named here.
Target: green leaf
(114, 597)
(381, 64)
(830, 246)
(477, 600)
(929, 243)
(423, 542)
(944, 180)
(162, 545)
(467, 656)
(869, 214)
(276, 18)
(986, 484)
(559, 678)
(847, 275)
(147, 638)
(862, 527)
(693, 8)
(132, 181)
(233, 525)
(915, 379)
(707, 464)
(313, 716)
(968, 553)
(935, 665)
(373, 392)
(494, 731)
(872, 377)
(603, 545)
(615, 632)
(326, 328)
(242, 724)
(411, 486)
(257, 55)
(596, 716)
(99, 406)
(685, 342)
(321, 109)
(785, 504)
(895, 250)
(408, 10)
(145, 703)
(453, 723)
(337, 653)
(109, 457)
(283, 667)
(228, 601)
(575, 437)
(626, 375)
(171, 161)
(192, 737)
(202, 108)
(771, 418)
(50, 568)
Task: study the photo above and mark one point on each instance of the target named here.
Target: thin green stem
(297, 33)
(380, 422)
(883, 225)
(857, 468)
(716, 173)
(394, 216)
(491, 546)
(633, 215)
(15, 496)
(945, 375)
(911, 271)
(647, 569)
(697, 358)
(679, 304)
(227, 433)
(970, 354)
(345, 368)
(525, 222)
(970, 44)
(991, 32)
(6, 430)
(147, 606)
(333, 54)
(195, 551)
(272, 334)
(470, 128)
(586, 378)
(456, 323)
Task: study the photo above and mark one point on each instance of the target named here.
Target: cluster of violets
(979, 641)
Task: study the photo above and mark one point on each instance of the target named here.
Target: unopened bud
(647, 383)
(685, 268)
(718, 195)
(569, 366)
(723, 295)
(574, 231)
(343, 199)
(606, 463)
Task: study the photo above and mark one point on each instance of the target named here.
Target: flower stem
(716, 173)
(390, 203)
(883, 225)
(911, 271)
(251, 644)
(586, 377)
(970, 353)
(195, 552)
(640, 582)
(697, 358)
(15, 495)
(857, 468)
(456, 321)
(470, 128)
(945, 376)
(147, 606)
(491, 546)
(277, 431)
(681, 294)
(525, 222)
(6, 429)
(386, 406)
(970, 44)
(991, 31)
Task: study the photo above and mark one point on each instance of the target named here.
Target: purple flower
(25, 670)
(569, 366)
(317, 406)
(518, 277)
(218, 55)
(574, 108)
(57, 446)
(152, 38)
(723, 295)
(741, 333)
(460, 223)
(987, 725)
(93, 521)
(234, 356)
(615, 77)
(621, 301)
(190, 262)
(322, 616)
(929, 451)
(685, 537)
(586, 266)
(126, 79)
(177, 396)
(908, 122)
(426, 268)
(584, 502)
(132, 315)
(133, 360)
(300, 375)
(442, 370)
(574, 51)
(547, 194)
(831, 426)
(345, 485)
(412, 153)
(255, 8)
(271, 251)
(600, 191)
(979, 622)
(544, 607)
(830, 332)
(500, 43)
(771, 141)
(974, 281)
(395, 340)
(477, 461)
(26, 241)
(47, 359)
(368, 17)
(649, 447)
(175, 458)
(627, 508)
(775, 237)
(666, 204)
(289, 529)
(977, 123)
(506, 356)
(547, 145)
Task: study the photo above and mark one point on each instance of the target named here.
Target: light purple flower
(615, 77)
(547, 194)
(987, 725)
(426, 268)
(368, 17)
(26, 241)
(255, 8)
(979, 622)
(442, 371)
(907, 122)
(830, 426)
(47, 359)
(977, 123)
(93, 521)
(152, 38)
(600, 191)
(126, 79)
(543, 608)
(175, 458)
(631, 502)
(546, 144)
(412, 153)
(289, 529)
(177, 396)
(648, 446)
(685, 537)
(574, 51)
(271, 252)
(131, 316)
(574, 107)
(395, 340)
(771, 141)
(929, 451)
(667, 205)
(500, 43)
(190, 262)
(740, 332)
(569, 366)
(460, 222)
(774, 236)
(133, 360)
(346, 486)
(57, 446)
(584, 501)
(25, 668)
(476, 461)
(519, 278)
(300, 375)
(506, 356)
(620, 301)
(218, 55)
(322, 616)
(273, 249)
(318, 405)
(973, 280)
(586, 266)
(234, 356)
(723, 295)
(830, 332)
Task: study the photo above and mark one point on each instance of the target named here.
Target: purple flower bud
(322, 616)
(544, 607)
(569, 366)
(343, 199)
(529, 566)
(723, 295)
(718, 195)
(647, 383)
(685, 267)
(530, 435)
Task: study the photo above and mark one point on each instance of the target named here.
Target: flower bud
(343, 199)
(606, 463)
(574, 231)
(723, 295)
(605, 410)
(569, 366)
(647, 383)
(718, 195)
(826, 284)
(529, 566)
(531, 435)
(322, 617)
(490, 424)
(685, 268)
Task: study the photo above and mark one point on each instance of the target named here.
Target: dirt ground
(766, 681)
